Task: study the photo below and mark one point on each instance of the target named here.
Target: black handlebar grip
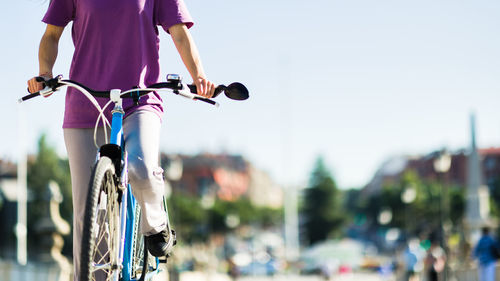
(192, 88)
(39, 79)
(206, 100)
(218, 90)
(27, 97)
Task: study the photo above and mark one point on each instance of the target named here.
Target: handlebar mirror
(236, 91)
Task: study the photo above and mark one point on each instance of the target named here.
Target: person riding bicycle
(117, 47)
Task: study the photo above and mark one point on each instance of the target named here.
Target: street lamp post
(442, 165)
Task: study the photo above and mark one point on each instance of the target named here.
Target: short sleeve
(171, 12)
(60, 12)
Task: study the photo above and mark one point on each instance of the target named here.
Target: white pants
(487, 272)
(141, 132)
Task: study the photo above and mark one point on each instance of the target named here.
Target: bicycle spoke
(102, 257)
(100, 239)
(102, 234)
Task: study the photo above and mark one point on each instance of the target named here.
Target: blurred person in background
(412, 258)
(487, 252)
(434, 262)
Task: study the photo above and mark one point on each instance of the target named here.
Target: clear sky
(356, 81)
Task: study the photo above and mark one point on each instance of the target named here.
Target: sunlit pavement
(199, 276)
(350, 277)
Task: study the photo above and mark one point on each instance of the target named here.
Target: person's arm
(189, 53)
(47, 54)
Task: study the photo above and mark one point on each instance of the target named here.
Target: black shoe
(161, 244)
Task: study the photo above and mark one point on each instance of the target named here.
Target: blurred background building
(222, 176)
(393, 169)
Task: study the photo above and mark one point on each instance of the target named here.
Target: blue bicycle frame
(127, 210)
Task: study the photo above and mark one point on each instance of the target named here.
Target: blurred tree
(494, 188)
(194, 223)
(457, 204)
(247, 213)
(420, 215)
(188, 217)
(322, 210)
(44, 167)
(352, 200)
(269, 217)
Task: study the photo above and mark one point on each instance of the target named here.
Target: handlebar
(236, 91)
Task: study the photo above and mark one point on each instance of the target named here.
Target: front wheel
(101, 225)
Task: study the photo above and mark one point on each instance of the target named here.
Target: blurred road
(346, 277)
(198, 276)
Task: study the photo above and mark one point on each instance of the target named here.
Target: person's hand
(35, 86)
(204, 87)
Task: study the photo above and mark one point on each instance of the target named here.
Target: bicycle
(112, 213)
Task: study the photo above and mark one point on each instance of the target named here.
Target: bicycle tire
(101, 225)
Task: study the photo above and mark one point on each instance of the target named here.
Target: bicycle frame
(127, 209)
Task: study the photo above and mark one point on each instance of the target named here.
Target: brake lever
(54, 82)
(50, 85)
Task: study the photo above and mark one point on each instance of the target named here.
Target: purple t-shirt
(116, 47)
